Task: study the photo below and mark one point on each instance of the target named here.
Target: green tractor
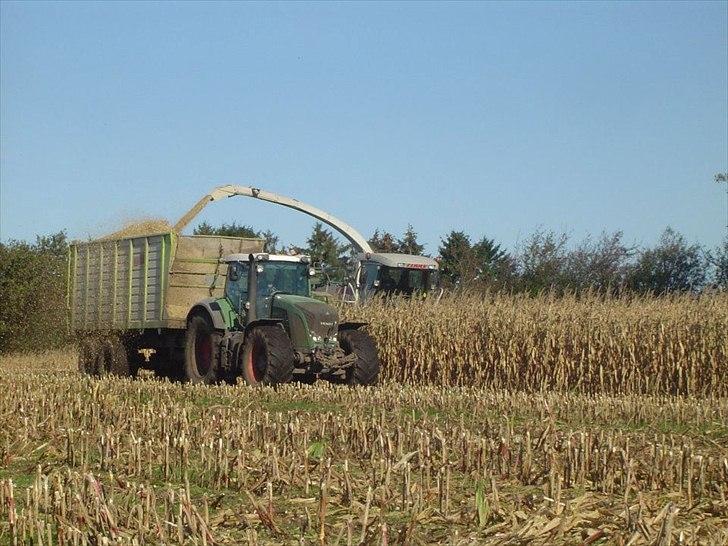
(267, 328)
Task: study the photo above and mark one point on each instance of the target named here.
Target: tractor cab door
(236, 286)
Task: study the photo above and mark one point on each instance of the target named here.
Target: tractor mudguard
(262, 322)
(212, 309)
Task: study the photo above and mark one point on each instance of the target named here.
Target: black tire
(110, 358)
(365, 370)
(130, 348)
(119, 364)
(201, 351)
(104, 353)
(86, 357)
(267, 357)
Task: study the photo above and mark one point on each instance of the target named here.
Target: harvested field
(565, 421)
(160, 462)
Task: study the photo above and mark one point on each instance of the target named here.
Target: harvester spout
(352, 235)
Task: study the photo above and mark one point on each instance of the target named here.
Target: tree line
(544, 261)
(548, 261)
(33, 274)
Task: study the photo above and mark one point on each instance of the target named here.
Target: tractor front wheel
(365, 369)
(267, 357)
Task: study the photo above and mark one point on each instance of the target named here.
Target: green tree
(239, 230)
(600, 265)
(484, 264)
(383, 241)
(494, 267)
(542, 262)
(33, 293)
(227, 230)
(324, 248)
(271, 241)
(456, 258)
(719, 260)
(408, 244)
(673, 265)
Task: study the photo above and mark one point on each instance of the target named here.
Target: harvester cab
(391, 274)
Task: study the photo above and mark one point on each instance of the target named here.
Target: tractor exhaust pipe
(252, 289)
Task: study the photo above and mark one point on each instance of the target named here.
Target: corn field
(676, 345)
(505, 421)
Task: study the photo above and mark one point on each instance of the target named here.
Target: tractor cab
(273, 275)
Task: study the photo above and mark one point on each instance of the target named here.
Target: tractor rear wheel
(365, 369)
(267, 357)
(201, 348)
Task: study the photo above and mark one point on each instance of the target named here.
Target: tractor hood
(310, 320)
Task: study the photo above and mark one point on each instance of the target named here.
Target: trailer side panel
(148, 281)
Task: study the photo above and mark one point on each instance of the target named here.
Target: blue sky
(492, 118)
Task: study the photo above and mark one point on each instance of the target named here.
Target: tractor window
(288, 277)
(276, 277)
(417, 280)
(236, 287)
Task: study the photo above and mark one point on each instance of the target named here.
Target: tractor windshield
(275, 277)
(289, 277)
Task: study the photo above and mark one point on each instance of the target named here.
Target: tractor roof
(391, 259)
(262, 256)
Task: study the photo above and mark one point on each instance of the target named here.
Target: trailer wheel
(86, 357)
(201, 351)
(130, 348)
(267, 357)
(365, 370)
(103, 354)
(109, 358)
(118, 362)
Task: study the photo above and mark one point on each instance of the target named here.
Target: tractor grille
(322, 320)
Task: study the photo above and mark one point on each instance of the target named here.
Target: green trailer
(205, 309)
(149, 281)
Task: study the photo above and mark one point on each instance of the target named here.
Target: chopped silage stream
(139, 227)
